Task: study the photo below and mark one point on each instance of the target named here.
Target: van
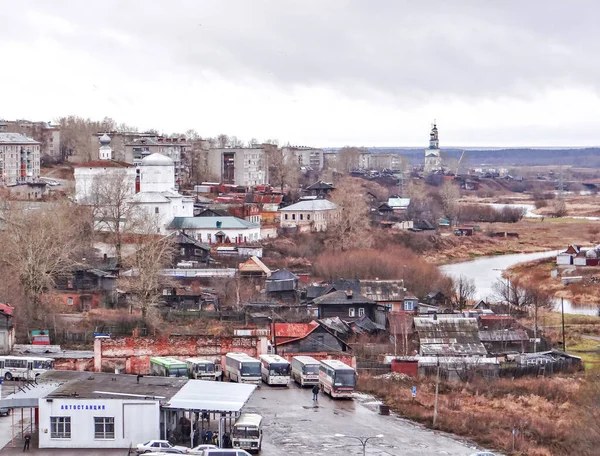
(224, 452)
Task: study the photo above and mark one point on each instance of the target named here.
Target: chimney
(349, 293)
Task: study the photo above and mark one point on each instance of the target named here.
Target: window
(409, 305)
(351, 312)
(301, 216)
(182, 251)
(60, 427)
(156, 210)
(286, 216)
(70, 300)
(293, 216)
(307, 216)
(361, 312)
(209, 238)
(104, 427)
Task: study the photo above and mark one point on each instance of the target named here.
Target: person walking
(315, 392)
(27, 440)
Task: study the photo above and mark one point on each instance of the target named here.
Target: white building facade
(244, 166)
(97, 422)
(218, 230)
(308, 158)
(19, 159)
(308, 215)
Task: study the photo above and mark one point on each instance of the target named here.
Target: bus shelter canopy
(29, 395)
(203, 395)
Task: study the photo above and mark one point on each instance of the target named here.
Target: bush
(539, 203)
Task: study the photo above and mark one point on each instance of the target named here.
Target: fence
(373, 367)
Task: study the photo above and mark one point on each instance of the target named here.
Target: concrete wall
(136, 421)
(131, 355)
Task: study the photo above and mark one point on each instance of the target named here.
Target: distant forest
(588, 157)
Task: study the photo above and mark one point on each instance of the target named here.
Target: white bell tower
(105, 152)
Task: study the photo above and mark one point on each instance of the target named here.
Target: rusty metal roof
(288, 332)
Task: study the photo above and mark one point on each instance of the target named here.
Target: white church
(433, 159)
(152, 186)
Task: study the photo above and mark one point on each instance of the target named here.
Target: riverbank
(550, 415)
(534, 235)
(538, 273)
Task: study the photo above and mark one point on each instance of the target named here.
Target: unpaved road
(293, 425)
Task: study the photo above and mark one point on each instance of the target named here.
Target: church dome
(157, 159)
(104, 140)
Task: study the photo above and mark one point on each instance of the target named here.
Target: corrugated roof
(16, 138)
(211, 396)
(449, 336)
(311, 205)
(289, 332)
(342, 298)
(503, 335)
(383, 290)
(104, 164)
(198, 223)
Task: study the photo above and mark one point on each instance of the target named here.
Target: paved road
(293, 425)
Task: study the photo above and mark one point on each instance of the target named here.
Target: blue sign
(84, 407)
(414, 391)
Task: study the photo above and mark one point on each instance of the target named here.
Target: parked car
(159, 446)
(4, 411)
(224, 452)
(200, 448)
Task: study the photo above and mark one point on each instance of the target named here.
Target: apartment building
(19, 159)
(379, 162)
(47, 134)
(308, 158)
(244, 166)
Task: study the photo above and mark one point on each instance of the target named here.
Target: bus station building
(101, 410)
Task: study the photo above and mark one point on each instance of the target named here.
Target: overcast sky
(312, 72)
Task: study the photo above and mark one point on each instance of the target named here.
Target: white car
(200, 449)
(159, 446)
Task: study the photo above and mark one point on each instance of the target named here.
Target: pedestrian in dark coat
(27, 440)
(315, 392)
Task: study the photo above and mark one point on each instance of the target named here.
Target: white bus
(305, 370)
(275, 370)
(24, 367)
(336, 378)
(247, 433)
(202, 369)
(242, 368)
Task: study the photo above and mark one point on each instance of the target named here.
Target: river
(529, 208)
(487, 270)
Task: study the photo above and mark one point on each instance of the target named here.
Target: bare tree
(350, 228)
(145, 280)
(450, 194)
(464, 291)
(348, 158)
(559, 208)
(282, 172)
(39, 245)
(222, 140)
(110, 200)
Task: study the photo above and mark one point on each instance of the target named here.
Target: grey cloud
(399, 49)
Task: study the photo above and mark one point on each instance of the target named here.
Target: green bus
(167, 367)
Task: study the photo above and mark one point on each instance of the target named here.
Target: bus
(242, 368)
(336, 378)
(24, 367)
(247, 432)
(305, 370)
(275, 370)
(201, 369)
(167, 367)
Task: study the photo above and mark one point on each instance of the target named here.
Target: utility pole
(562, 311)
(274, 332)
(437, 389)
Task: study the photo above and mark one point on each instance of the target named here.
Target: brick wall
(132, 355)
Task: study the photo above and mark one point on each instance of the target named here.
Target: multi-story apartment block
(380, 162)
(308, 158)
(245, 166)
(19, 159)
(330, 160)
(45, 133)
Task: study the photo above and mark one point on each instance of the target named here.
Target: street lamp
(363, 440)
